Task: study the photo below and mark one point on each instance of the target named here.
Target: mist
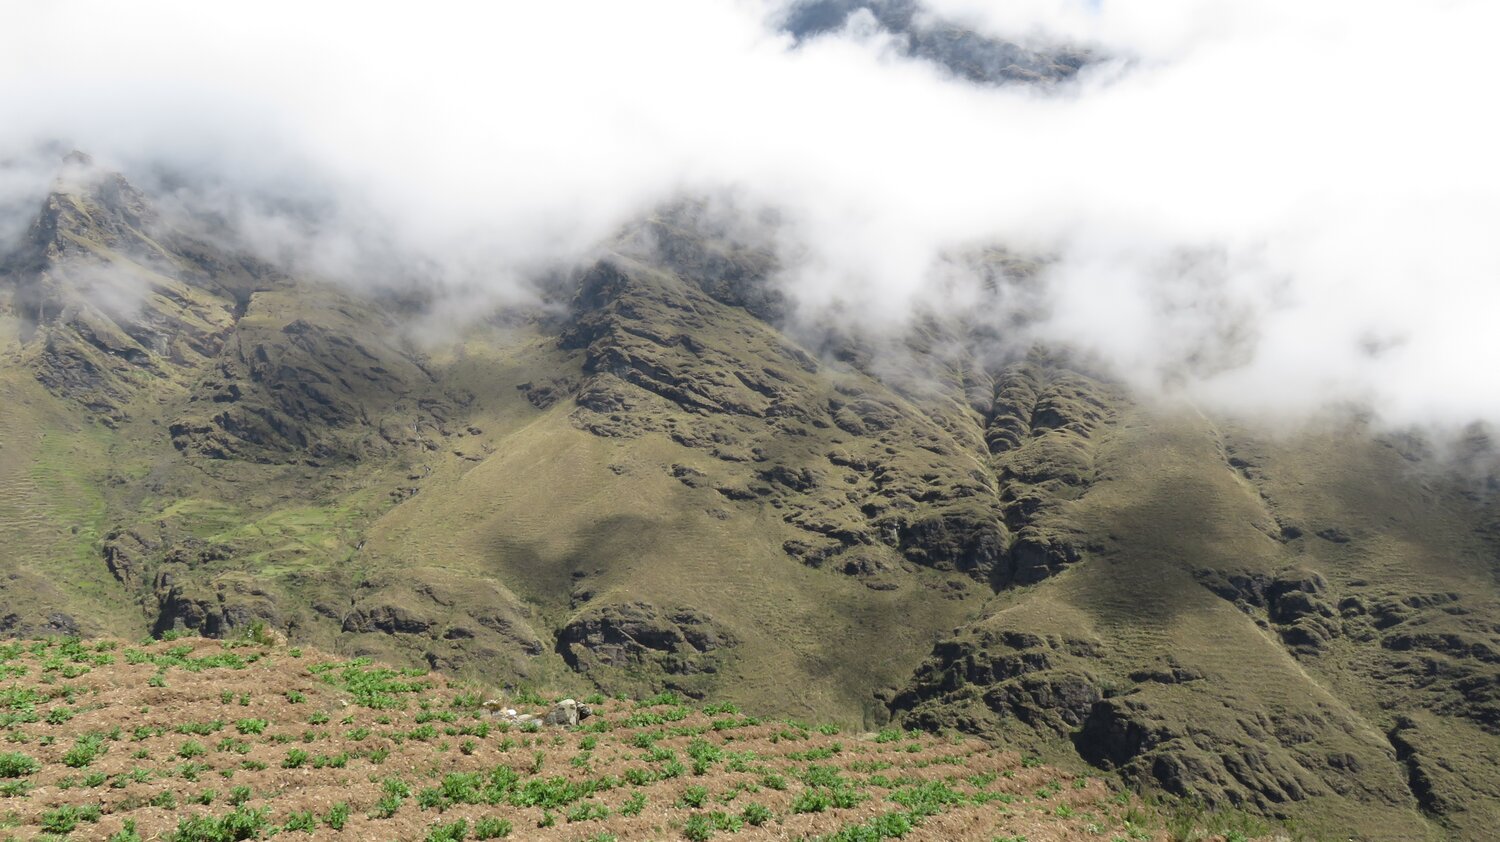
(1260, 206)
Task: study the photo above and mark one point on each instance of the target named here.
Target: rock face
(452, 621)
(1262, 763)
(317, 388)
(953, 479)
(612, 642)
(108, 298)
(1296, 602)
(1009, 675)
(224, 605)
(54, 624)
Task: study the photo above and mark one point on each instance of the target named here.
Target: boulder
(564, 712)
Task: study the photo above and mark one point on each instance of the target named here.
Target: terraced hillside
(193, 740)
(667, 481)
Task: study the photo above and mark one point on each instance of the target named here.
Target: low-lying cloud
(1260, 204)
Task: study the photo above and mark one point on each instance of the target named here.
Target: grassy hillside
(658, 484)
(1204, 650)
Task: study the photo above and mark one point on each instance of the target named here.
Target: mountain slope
(1205, 649)
(237, 740)
(665, 486)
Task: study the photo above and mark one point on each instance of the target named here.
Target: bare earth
(157, 734)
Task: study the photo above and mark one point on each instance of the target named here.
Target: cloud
(25, 174)
(1256, 203)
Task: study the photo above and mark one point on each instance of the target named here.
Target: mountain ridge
(667, 488)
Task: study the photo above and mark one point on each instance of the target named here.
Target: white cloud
(1314, 178)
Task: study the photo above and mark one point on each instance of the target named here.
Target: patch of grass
(65, 818)
(885, 826)
(242, 823)
(694, 796)
(492, 827)
(380, 688)
(86, 749)
(703, 826)
(756, 815)
(15, 765)
(452, 832)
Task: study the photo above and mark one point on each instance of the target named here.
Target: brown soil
(145, 729)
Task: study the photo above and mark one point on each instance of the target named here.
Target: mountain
(669, 483)
(920, 33)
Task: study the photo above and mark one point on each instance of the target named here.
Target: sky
(1262, 206)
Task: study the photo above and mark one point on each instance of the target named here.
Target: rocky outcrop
(726, 253)
(1296, 602)
(567, 713)
(611, 641)
(219, 607)
(1449, 655)
(127, 554)
(988, 681)
(1248, 759)
(659, 358)
(53, 624)
(451, 620)
(106, 309)
(968, 541)
(1448, 770)
(314, 389)
(1042, 426)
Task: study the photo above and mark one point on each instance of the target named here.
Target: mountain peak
(95, 203)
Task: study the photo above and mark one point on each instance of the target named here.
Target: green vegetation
(751, 775)
(492, 827)
(85, 750)
(15, 765)
(251, 725)
(65, 818)
(241, 823)
(754, 504)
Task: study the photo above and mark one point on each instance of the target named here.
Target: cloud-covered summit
(1264, 205)
(919, 33)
